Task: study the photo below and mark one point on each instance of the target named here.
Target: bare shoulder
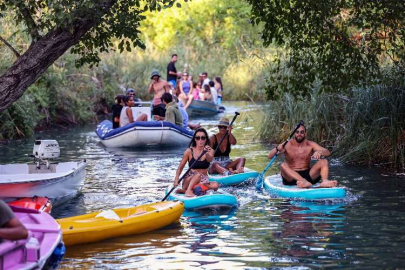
(314, 145)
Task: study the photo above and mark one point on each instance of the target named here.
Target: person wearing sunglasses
(222, 163)
(196, 182)
(296, 169)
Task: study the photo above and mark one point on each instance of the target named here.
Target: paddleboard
(217, 200)
(233, 179)
(274, 184)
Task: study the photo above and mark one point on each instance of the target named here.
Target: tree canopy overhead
(86, 26)
(338, 43)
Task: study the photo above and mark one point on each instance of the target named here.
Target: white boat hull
(17, 182)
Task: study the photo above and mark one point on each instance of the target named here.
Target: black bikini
(219, 152)
(201, 164)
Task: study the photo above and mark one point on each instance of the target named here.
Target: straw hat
(223, 122)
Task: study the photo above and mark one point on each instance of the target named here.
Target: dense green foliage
(338, 44)
(367, 127)
(212, 36)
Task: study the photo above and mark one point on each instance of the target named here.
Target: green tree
(88, 27)
(339, 43)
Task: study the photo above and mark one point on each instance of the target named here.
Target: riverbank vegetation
(212, 36)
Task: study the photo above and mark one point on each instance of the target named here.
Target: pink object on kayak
(36, 251)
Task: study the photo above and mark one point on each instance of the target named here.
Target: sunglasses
(222, 127)
(200, 138)
(300, 132)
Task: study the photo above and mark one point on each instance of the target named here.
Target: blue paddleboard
(233, 179)
(219, 199)
(274, 184)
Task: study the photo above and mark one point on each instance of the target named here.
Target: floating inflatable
(143, 133)
(201, 108)
(217, 200)
(234, 179)
(274, 184)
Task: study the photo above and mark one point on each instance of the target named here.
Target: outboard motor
(45, 150)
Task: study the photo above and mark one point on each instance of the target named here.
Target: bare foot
(180, 191)
(328, 183)
(189, 193)
(304, 184)
(239, 170)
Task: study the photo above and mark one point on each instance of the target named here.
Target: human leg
(237, 165)
(213, 185)
(290, 176)
(142, 117)
(193, 181)
(190, 99)
(321, 168)
(217, 168)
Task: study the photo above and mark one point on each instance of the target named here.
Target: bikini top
(219, 152)
(201, 164)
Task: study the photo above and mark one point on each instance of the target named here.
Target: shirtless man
(296, 169)
(158, 87)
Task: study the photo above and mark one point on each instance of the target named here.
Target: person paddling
(222, 163)
(296, 169)
(196, 182)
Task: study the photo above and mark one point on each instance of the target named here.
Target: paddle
(198, 158)
(259, 182)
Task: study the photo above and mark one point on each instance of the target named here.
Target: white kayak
(217, 200)
(234, 179)
(274, 184)
(200, 108)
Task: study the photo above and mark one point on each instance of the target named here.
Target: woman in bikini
(222, 163)
(196, 182)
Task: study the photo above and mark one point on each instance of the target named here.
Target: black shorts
(304, 174)
(159, 110)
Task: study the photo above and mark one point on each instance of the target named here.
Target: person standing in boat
(10, 227)
(127, 116)
(172, 71)
(222, 163)
(214, 92)
(219, 88)
(196, 182)
(158, 87)
(296, 169)
(173, 114)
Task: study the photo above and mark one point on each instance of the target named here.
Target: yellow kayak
(119, 222)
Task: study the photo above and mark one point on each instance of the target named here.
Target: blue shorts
(174, 82)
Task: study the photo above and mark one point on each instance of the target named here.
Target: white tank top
(124, 120)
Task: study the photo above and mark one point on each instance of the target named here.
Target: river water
(364, 231)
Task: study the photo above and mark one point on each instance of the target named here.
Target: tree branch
(10, 47)
(32, 26)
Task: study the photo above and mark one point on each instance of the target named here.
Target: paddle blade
(259, 182)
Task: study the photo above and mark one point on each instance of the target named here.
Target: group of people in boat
(295, 170)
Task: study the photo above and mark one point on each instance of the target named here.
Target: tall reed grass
(366, 126)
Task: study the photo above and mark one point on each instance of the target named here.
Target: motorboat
(56, 181)
(201, 108)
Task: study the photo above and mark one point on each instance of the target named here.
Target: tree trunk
(35, 61)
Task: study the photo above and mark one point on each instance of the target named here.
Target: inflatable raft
(274, 184)
(143, 133)
(217, 200)
(234, 179)
(119, 222)
(200, 108)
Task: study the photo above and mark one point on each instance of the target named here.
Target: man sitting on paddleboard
(10, 227)
(222, 163)
(296, 169)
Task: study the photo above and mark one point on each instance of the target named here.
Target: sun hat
(223, 122)
(155, 73)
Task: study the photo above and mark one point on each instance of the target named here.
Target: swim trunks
(304, 174)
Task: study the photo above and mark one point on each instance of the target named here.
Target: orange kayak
(41, 204)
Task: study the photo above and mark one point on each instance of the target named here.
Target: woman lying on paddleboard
(196, 182)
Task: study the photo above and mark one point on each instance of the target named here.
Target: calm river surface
(364, 231)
